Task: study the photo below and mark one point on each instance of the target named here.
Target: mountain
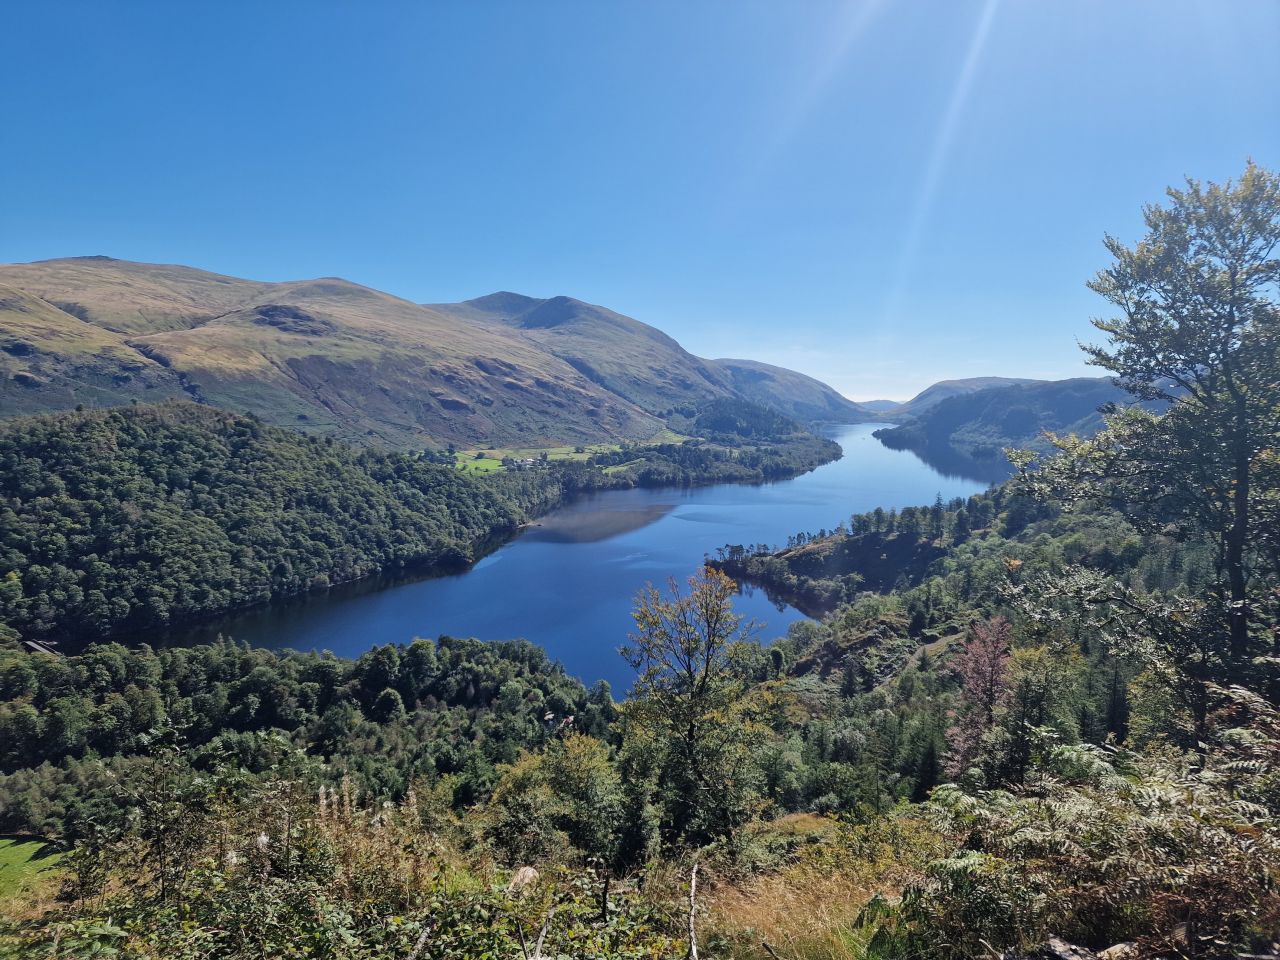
(326, 356)
(648, 367)
(945, 389)
(631, 359)
(50, 359)
(794, 394)
(132, 298)
(332, 357)
(980, 424)
(880, 406)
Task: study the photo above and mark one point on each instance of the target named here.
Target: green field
(25, 866)
(467, 463)
(490, 458)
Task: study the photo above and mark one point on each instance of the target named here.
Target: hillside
(945, 389)
(972, 429)
(52, 359)
(879, 406)
(132, 298)
(647, 367)
(791, 393)
(325, 356)
(169, 513)
(334, 358)
(628, 358)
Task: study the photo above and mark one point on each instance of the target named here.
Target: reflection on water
(569, 583)
(587, 523)
(951, 462)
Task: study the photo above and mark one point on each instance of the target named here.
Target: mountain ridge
(332, 357)
(970, 431)
(935, 393)
(673, 375)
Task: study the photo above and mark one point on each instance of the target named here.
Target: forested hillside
(983, 423)
(127, 520)
(935, 393)
(120, 523)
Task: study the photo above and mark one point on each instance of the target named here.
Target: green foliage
(1199, 330)
(1107, 847)
(219, 865)
(453, 709)
(132, 519)
(563, 803)
(690, 723)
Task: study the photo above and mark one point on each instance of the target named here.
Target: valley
(946, 678)
(593, 555)
(640, 481)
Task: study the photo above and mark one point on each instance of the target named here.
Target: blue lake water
(569, 583)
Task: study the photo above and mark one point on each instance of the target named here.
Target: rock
(1055, 949)
(1121, 951)
(522, 878)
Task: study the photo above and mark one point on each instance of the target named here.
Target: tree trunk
(1237, 538)
(693, 905)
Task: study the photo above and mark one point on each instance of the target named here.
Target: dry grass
(809, 910)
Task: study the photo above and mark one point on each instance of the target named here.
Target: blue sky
(881, 194)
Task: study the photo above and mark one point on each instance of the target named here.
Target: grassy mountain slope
(791, 393)
(335, 358)
(131, 298)
(648, 367)
(327, 356)
(358, 363)
(51, 359)
(632, 359)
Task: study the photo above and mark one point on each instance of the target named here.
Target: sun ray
(938, 157)
(856, 21)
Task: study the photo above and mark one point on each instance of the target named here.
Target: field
(26, 867)
(489, 459)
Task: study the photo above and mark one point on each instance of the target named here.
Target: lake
(569, 582)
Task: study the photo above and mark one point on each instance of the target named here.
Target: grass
(811, 908)
(467, 463)
(28, 866)
(666, 435)
(619, 467)
(489, 459)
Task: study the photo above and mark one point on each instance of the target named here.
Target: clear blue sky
(879, 194)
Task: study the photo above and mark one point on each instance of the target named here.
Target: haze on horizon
(878, 194)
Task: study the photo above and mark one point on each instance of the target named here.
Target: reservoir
(568, 583)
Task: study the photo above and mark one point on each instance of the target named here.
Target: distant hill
(649, 368)
(336, 358)
(791, 393)
(880, 406)
(326, 356)
(628, 358)
(980, 424)
(944, 389)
